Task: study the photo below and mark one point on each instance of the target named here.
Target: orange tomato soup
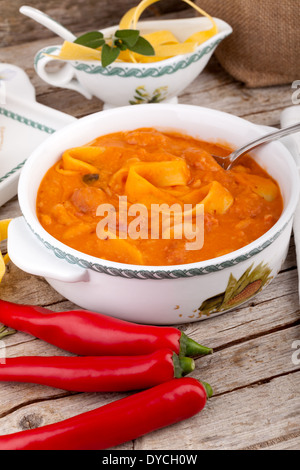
(146, 167)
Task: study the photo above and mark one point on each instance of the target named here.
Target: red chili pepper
(97, 374)
(88, 333)
(117, 422)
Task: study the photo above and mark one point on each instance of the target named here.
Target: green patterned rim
(27, 122)
(156, 275)
(141, 72)
(46, 50)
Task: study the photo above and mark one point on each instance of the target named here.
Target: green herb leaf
(124, 39)
(109, 54)
(142, 46)
(94, 39)
(128, 36)
(119, 43)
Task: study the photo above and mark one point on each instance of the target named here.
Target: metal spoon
(231, 159)
(48, 22)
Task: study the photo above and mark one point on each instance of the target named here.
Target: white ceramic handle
(30, 255)
(64, 77)
(48, 22)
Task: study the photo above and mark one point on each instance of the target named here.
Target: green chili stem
(182, 365)
(189, 347)
(4, 331)
(208, 389)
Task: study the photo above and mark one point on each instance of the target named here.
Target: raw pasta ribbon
(164, 42)
(3, 235)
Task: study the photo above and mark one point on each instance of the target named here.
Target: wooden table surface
(256, 383)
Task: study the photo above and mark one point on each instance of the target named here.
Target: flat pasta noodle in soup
(145, 197)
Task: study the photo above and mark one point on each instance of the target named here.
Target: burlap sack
(264, 48)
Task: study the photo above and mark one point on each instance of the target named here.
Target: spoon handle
(263, 140)
(48, 22)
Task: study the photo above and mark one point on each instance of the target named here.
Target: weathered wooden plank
(290, 261)
(31, 289)
(257, 417)
(14, 395)
(54, 409)
(276, 307)
(264, 416)
(261, 105)
(249, 362)
(84, 15)
(232, 368)
(11, 209)
(293, 443)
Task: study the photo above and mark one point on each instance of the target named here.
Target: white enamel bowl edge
(148, 294)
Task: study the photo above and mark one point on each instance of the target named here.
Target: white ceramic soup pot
(154, 294)
(123, 83)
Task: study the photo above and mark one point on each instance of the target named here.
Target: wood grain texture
(256, 401)
(258, 417)
(82, 15)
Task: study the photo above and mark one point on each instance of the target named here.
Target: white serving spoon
(48, 22)
(231, 159)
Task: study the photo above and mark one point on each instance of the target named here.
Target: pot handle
(28, 253)
(64, 77)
